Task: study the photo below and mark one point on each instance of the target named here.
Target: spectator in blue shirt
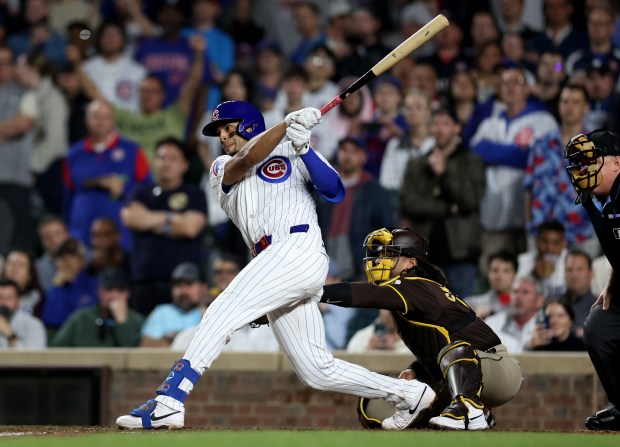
(73, 287)
(38, 34)
(189, 291)
(169, 56)
(99, 172)
(220, 45)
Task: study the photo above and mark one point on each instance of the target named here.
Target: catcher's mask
(586, 155)
(385, 246)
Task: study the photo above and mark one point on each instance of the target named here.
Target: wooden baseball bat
(415, 41)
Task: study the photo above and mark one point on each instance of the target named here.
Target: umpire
(593, 166)
(457, 354)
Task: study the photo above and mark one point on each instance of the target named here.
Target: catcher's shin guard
(461, 368)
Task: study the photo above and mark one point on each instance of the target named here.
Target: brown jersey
(427, 315)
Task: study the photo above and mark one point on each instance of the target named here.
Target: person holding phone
(381, 335)
(554, 328)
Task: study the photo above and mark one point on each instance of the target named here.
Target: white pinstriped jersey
(271, 198)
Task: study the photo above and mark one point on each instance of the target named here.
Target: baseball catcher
(457, 354)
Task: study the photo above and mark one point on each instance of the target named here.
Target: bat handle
(333, 103)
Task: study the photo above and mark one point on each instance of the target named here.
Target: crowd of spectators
(111, 236)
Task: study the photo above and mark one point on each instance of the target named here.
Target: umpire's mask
(586, 156)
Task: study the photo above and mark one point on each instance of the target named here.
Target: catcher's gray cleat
(410, 408)
(152, 414)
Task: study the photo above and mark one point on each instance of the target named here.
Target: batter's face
(230, 140)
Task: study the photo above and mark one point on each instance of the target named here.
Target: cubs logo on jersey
(275, 170)
(218, 167)
(118, 155)
(124, 89)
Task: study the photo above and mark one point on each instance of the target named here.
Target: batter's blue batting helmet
(251, 122)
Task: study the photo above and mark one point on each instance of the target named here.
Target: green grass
(313, 438)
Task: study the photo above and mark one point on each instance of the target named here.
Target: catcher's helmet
(586, 155)
(251, 122)
(387, 244)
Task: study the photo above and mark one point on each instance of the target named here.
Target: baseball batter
(263, 186)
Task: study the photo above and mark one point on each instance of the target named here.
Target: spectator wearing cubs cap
(110, 323)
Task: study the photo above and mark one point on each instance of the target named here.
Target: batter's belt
(265, 241)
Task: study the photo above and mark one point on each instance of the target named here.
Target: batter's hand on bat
(299, 136)
(308, 117)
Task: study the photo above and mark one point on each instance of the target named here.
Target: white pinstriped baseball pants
(285, 282)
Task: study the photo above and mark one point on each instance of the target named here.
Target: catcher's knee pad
(458, 351)
(372, 412)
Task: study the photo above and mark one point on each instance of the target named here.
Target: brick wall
(278, 399)
(260, 390)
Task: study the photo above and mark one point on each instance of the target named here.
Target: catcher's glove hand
(259, 322)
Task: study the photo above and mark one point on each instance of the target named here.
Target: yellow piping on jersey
(456, 361)
(401, 297)
(419, 278)
(389, 281)
(462, 343)
(388, 284)
(442, 330)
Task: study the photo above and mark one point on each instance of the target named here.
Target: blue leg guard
(181, 370)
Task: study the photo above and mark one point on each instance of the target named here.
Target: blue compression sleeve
(325, 179)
